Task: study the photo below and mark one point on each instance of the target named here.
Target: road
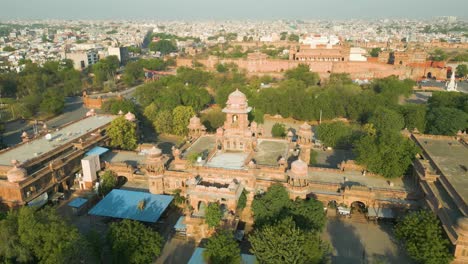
(73, 111)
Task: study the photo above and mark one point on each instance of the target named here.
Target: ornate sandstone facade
(238, 157)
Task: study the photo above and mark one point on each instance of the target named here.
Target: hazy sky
(229, 9)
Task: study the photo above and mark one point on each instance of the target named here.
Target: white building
(82, 59)
(357, 54)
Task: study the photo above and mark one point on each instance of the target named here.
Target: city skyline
(225, 10)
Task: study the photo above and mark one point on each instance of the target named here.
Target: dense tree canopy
(37, 236)
(213, 214)
(446, 121)
(213, 118)
(284, 242)
(133, 242)
(461, 71)
(114, 106)
(180, 119)
(303, 73)
(336, 134)
(385, 120)
(105, 69)
(39, 88)
(388, 154)
(222, 248)
(163, 46)
(275, 204)
(422, 237)
(122, 134)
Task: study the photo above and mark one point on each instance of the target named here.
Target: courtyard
(356, 241)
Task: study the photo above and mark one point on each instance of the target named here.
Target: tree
(213, 119)
(8, 49)
(385, 120)
(437, 55)
(414, 116)
(163, 46)
(48, 227)
(108, 182)
(53, 102)
(303, 73)
(151, 112)
(122, 134)
(293, 37)
(181, 116)
(178, 198)
(284, 242)
(11, 249)
(461, 71)
(422, 237)
(271, 206)
(242, 202)
(132, 242)
(308, 214)
(213, 214)
(375, 52)
(114, 106)
(278, 130)
(222, 248)
(388, 154)
(163, 122)
(132, 73)
(335, 134)
(446, 121)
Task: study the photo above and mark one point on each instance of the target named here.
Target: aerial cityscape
(234, 132)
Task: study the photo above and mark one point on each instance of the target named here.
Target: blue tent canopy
(97, 151)
(77, 202)
(127, 205)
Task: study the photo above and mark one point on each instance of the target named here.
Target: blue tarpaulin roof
(96, 151)
(197, 257)
(124, 204)
(77, 202)
(180, 223)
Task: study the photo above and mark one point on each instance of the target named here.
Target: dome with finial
(16, 174)
(120, 112)
(237, 98)
(154, 152)
(195, 123)
(305, 127)
(130, 117)
(299, 169)
(237, 103)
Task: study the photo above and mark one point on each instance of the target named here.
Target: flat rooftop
(451, 157)
(64, 136)
(269, 151)
(125, 204)
(202, 144)
(228, 160)
(128, 157)
(355, 178)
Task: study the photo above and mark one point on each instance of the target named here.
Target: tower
(452, 85)
(237, 135)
